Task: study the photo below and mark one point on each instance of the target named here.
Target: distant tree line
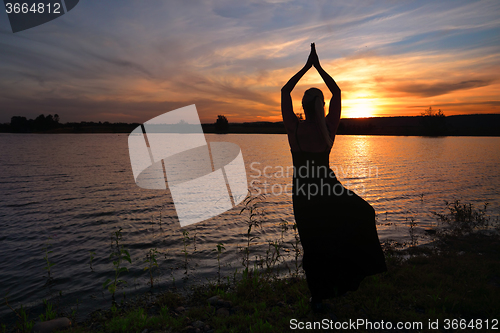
(51, 124)
(39, 124)
(429, 123)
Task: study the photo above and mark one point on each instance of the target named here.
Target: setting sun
(358, 108)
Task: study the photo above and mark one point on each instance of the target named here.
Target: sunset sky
(129, 61)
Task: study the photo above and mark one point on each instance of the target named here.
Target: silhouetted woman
(336, 226)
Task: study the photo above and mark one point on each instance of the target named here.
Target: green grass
(459, 279)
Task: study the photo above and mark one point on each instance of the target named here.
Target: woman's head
(309, 101)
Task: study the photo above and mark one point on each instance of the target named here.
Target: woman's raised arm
(333, 117)
(289, 118)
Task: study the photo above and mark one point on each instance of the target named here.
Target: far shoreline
(459, 125)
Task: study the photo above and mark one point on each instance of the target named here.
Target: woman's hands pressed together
(313, 59)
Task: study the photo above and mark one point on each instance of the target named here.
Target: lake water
(74, 191)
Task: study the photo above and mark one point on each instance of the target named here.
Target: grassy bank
(454, 284)
(458, 279)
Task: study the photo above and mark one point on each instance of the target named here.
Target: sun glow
(358, 108)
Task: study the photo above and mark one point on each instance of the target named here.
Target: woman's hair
(313, 104)
(309, 101)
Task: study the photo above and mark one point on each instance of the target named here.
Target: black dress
(336, 227)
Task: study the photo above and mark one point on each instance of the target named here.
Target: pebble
(51, 325)
(189, 329)
(213, 300)
(198, 324)
(222, 312)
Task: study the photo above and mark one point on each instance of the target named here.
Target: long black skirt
(338, 235)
